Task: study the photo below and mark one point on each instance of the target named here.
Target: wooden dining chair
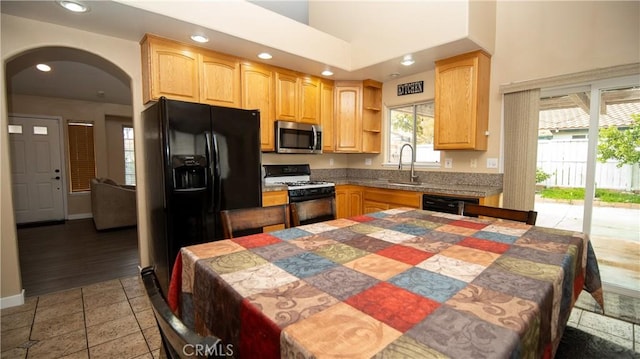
(178, 341)
(312, 211)
(474, 210)
(243, 219)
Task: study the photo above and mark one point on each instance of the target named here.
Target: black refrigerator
(199, 160)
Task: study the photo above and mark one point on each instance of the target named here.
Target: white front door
(36, 169)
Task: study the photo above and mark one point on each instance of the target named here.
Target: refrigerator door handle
(211, 170)
(217, 183)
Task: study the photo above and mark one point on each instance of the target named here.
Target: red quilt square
(362, 218)
(467, 224)
(262, 340)
(256, 240)
(404, 254)
(394, 306)
(485, 245)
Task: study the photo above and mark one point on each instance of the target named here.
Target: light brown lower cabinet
(380, 199)
(272, 199)
(348, 201)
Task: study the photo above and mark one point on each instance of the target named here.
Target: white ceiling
(91, 78)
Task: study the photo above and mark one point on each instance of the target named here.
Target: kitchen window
(412, 124)
(82, 164)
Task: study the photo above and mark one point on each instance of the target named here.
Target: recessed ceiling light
(394, 75)
(265, 56)
(407, 60)
(327, 72)
(73, 6)
(199, 38)
(43, 67)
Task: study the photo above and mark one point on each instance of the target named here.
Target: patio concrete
(615, 236)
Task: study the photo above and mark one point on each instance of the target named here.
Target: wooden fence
(566, 162)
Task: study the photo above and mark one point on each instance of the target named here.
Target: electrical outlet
(492, 163)
(448, 163)
(330, 161)
(367, 161)
(473, 163)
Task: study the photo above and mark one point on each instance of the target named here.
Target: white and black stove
(297, 178)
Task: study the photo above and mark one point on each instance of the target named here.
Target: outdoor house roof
(571, 112)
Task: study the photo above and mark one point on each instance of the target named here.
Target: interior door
(36, 169)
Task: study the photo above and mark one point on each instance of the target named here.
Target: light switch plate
(448, 163)
(492, 163)
(473, 163)
(330, 161)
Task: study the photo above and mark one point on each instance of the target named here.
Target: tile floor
(113, 319)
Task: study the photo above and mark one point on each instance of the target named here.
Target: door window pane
(129, 156)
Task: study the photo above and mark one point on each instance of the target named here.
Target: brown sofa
(113, 205)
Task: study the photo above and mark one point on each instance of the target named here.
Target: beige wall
(78, 204)
(19, 35)
(533, 40)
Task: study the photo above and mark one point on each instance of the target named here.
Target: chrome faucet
(414, 178)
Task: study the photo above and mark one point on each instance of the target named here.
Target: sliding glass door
(588, 173)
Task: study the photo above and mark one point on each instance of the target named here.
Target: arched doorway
(81, 89)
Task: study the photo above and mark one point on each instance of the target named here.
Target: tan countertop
(476, 191)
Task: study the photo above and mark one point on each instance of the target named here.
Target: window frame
(387, 160)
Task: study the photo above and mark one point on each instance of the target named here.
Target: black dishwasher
(445, 204)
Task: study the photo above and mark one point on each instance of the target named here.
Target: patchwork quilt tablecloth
(401, 283)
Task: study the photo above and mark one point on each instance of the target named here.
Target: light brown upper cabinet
(257, 93)
(327, 119)
(286, 95)
(462, 102)
(309, 102)
(182, 72)
(219, 80)
(358, 111)
(348, 125)
(297, 97)
(169, 69)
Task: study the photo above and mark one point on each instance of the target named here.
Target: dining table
(399, 283)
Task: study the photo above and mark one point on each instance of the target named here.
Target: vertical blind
(82, 163)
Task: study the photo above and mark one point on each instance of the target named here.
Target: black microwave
(295, 137)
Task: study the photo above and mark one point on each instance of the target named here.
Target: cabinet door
(327, 116)
(219, 81)
(355, 202)
(257, 93)
(309, 100)
(461, 102)
(286, 96)
(172, 71)
(272, 199)
(348, 118)
(348, 201)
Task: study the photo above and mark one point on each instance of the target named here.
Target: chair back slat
(234, 220)
(318, 209)
(528, 217)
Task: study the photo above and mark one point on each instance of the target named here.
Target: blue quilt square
(305, 264)
(429, 284)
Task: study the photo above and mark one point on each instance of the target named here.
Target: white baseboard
(79, 216)
(12, 301)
